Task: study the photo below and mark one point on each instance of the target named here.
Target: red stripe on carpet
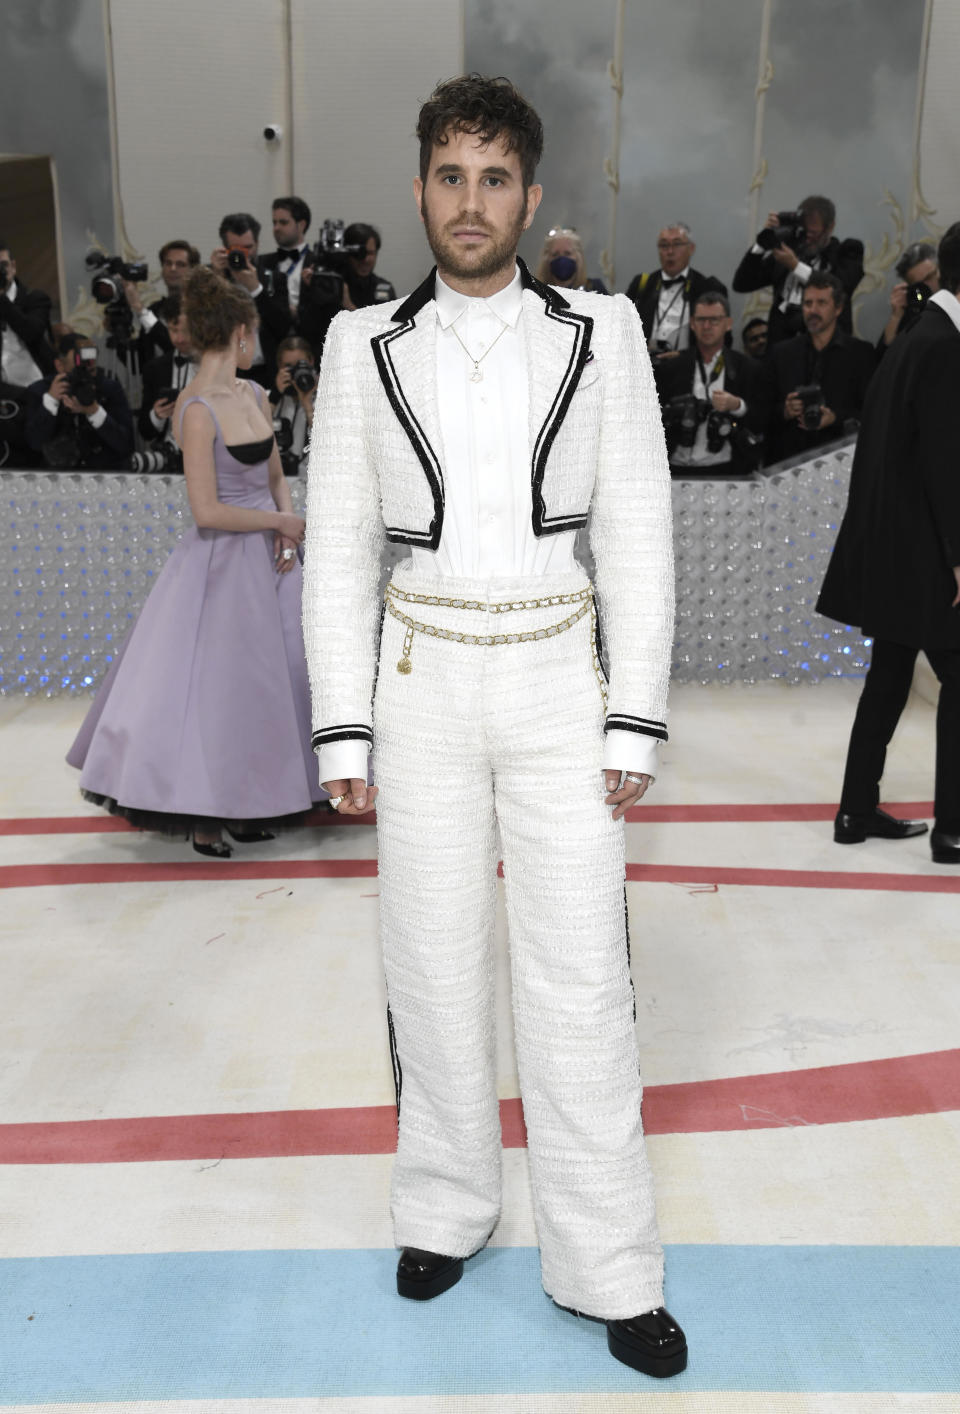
(642, 814)
(835, 1094)
(27, 876)
(793, 878)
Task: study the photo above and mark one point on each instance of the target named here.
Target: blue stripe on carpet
(199, 1325)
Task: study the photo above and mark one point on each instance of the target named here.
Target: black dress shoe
(944, 848)
(854, 829)
(215, 850)
(423, 1275)
(250, 836)
(652, 1343)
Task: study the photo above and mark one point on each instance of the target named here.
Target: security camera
(273, 132)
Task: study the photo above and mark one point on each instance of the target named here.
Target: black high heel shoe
(250, 836)
(217, 850)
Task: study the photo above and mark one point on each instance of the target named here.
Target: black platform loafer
(944, 848)
(854, 829)
(423, 1275)
(652, 1343)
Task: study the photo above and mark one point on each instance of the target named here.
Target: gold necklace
(476, 376)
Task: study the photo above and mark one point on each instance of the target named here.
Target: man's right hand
(163, 408)
(793, 407)
(358, 796)
(283, 379)
(898, 299)
(59, 387)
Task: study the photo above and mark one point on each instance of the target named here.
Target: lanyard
(679, 293)
(717, 370)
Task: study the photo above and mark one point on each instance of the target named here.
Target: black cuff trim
(352, 731)
(645, 726)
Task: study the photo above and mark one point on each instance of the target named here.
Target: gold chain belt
(583, 598)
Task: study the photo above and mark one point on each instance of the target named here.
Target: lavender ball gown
(204, 717)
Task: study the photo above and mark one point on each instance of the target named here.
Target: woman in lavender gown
(203, 722)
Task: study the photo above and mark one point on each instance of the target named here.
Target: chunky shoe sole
(945, 856)
(849, 836)
(429, 1287)
(660, 1367)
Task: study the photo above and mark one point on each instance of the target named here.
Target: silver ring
(336, 801)
(288, 554)
(637, 780)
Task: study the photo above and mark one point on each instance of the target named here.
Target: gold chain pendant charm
(405, 666)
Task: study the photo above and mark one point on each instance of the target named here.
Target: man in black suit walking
(730, 388)
(895, 570)
(787, 267)
(664, 297)
(25, 356)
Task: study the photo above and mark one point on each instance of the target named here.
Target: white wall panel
(359, 79)
(939, 129)
(195, 85)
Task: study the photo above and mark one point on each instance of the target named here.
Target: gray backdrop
(839, 119)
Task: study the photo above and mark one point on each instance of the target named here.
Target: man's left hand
(724, 401)
(70, 402)
(623, 797)
(786, 257)
(827, 418)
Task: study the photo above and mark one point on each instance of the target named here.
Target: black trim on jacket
(645, 726)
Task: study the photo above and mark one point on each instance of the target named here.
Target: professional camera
(811, 395)
(303, 376)
(685, 412)
(724, 427)
(790, 230)
(236, 259)
(82, 385)
(105, 285)
(330, 264)
(165, 458)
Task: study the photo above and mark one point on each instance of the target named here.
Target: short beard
(499, 256)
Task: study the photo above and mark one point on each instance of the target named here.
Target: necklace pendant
(404, 666)
(477, 375)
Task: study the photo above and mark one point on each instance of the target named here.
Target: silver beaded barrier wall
(79, 552)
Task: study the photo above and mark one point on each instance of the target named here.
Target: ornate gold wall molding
(611, 165)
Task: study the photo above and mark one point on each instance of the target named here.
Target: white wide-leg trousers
(508, 738)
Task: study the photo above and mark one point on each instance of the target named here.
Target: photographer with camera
(81, 417)
(25, 356)
(664, 298)
(714, 400)
(919, 279)
(165, 377)
(177, 258)
(291, 221)
(292, 397)
(364, 287)
(791, 246)
(819, 377)
(339, 265)
(236, 259)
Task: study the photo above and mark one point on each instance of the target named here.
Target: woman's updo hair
(214, 308)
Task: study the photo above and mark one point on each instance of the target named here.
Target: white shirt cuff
(98, 418)
(757, 249)
(147, 319)
(741, 409)
(343, 761)
(803, 271)
(631, 751)
(158, 422)
(51, 405)
(255, 294)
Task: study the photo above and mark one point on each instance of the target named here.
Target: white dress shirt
(19, 366)
(714, 383)
(290, 264)
(488, 514)
(672, 324)
(182, 371)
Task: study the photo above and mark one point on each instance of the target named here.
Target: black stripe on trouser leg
(626, 927)
(394, 1058)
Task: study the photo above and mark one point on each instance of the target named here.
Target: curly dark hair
(489, 108)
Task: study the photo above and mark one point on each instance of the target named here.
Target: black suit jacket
(644, 290)
(158, 374)
(843, 370)
(891, 571)
(742, 376)
(105, 448)
(758, 271)
(28, 315)
(273, 307)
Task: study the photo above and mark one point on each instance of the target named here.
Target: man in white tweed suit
(482, 421)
